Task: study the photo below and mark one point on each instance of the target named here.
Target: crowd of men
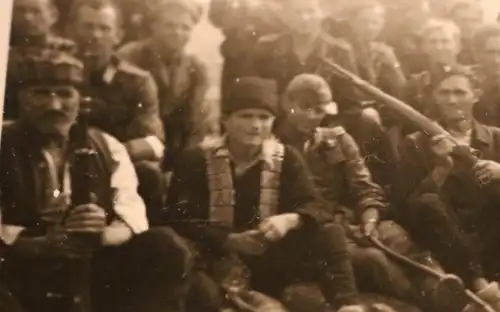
(118, 193)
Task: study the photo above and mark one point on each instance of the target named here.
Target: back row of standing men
(250, 195)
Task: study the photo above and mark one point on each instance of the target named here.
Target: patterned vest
(220, 180)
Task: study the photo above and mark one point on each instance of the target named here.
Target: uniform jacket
(124, 101)
(339, 171)
(188, 197)
(182, 86)
(273, 58)
(460, 190)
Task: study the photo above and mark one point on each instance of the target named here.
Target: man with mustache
(134, 268)
(124, 98)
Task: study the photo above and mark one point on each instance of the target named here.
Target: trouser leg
(434, 226)
(318, 254)
(149, 273)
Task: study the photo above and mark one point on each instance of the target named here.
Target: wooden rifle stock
(402, 109)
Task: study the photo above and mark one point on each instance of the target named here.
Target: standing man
(40, 220)
(181, 78)
(303, 48)
(31, 29)
(124, 98)
(448, 205)
(252, 196)
(487, 56)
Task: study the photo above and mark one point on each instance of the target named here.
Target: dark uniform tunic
(274, 58)
(124, 101)
(468, 213)
(182, 84)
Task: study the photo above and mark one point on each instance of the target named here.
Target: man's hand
(276, 227)
(442, 146)
(248, 243)
(369, 222)
(486, 171)
(86, 219)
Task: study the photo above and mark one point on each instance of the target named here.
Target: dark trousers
(435, 225)
(318, 255)
(148, 273)
(152, 188)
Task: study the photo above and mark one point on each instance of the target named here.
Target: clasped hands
(85, 219)
(485, 171)
(255, 242)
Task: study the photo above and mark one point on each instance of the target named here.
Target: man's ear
(120, 34)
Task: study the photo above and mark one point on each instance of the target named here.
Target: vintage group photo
(250, 156)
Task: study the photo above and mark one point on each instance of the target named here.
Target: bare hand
(248, 243)
(486, 171)
(86, 219)
(276, 227)
(442, 146)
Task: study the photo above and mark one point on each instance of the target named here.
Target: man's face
(51, 109)
(305, 117)
(33, 17)
(304, 17)
(249, 127)
(173, 30)
(468, 19)
(96, 31)
(489, 58)
(369, 22)
(441, 46)
(455, 99)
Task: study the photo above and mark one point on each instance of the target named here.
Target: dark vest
(21, 187)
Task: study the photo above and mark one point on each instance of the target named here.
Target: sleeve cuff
(10, 233)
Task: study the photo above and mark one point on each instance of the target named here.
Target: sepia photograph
(250, 156)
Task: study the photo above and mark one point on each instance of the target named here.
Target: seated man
(249, 195)
(341, 175)
(448, 201)
(69, 222)
(124, 98)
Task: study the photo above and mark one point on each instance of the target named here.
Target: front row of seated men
(244, 211)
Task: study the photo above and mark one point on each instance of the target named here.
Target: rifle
(430, 128)
(82, 176)
(404, 110)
